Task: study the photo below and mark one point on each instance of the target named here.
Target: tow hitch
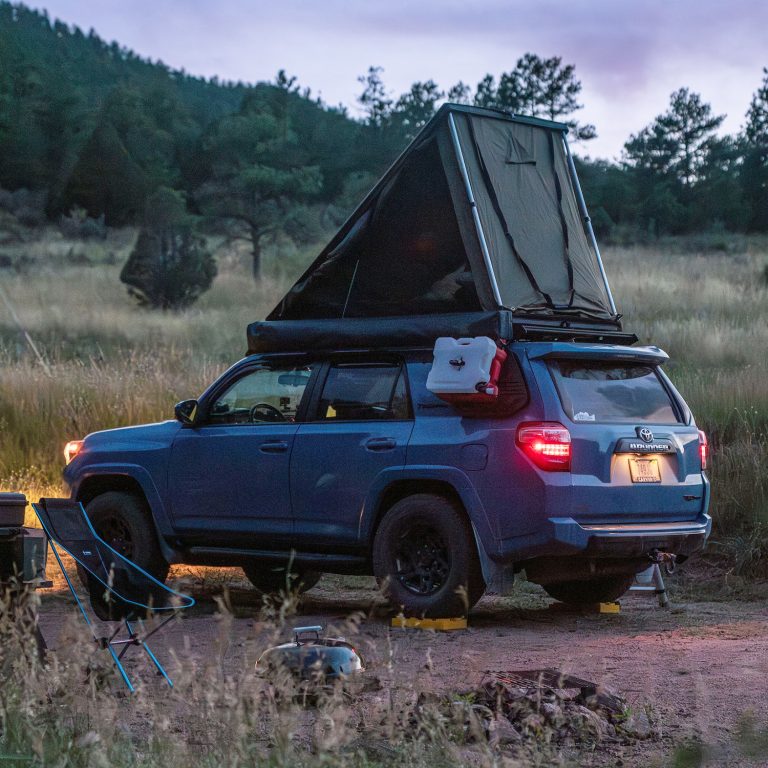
(665, 560)
(651, 580)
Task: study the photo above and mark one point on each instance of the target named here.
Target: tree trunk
(256, 252)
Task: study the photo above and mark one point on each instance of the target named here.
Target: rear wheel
(603, 590)
(270, 580)
(122, 520)
(425, 558)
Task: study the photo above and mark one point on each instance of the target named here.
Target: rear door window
(621, 393)
(364, 392)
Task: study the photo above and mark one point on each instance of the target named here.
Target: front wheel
(425, 558)
(123, 521)
(604, 590)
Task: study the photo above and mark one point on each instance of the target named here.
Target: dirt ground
(699, 666)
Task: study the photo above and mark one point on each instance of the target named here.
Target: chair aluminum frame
(112, 642)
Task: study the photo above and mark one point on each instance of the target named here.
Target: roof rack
(540, 332)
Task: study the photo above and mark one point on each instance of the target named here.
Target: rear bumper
(631, 540)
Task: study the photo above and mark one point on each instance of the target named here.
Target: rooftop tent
(481, 213)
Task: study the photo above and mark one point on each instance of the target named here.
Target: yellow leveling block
(441, 625)
(609, 607)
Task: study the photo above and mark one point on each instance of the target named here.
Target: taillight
(71, 449)
(703, 450)
(547, 445)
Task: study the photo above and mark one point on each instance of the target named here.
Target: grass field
(111, 363)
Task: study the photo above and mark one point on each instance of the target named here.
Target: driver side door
(229, 473)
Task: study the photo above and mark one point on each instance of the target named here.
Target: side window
(364, 392)
(266, 395)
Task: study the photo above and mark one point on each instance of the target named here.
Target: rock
(533, 722)
(501, 732)
(550, 711)
(590, 720)
(481, 711)
(639, 726)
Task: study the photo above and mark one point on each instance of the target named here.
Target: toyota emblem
(645, 434)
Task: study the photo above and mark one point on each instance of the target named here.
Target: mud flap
(499, 579)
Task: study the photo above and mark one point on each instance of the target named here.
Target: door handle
(381, 444)
(276, 446)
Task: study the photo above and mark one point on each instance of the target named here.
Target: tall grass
(709, 311)
(113, 364)
(73, 710)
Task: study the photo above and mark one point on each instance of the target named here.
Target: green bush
(170, 265)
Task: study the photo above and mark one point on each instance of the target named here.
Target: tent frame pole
(587, 220)
(475, 213)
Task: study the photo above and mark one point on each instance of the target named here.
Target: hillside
(91, 123)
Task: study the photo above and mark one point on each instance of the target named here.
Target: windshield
(622, 393)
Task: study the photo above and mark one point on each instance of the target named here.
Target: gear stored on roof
(481, 213)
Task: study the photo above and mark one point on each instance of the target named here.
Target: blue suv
(325, 451)
(344, 462)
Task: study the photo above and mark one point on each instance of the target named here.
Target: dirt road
(699, 666)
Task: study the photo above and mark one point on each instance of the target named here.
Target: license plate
(644, 470)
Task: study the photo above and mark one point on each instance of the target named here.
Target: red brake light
(71, 449)
(547, 445)
(703, 450)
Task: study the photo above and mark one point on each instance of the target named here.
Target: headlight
(71, 449)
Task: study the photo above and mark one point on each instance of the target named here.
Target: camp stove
(312, 658)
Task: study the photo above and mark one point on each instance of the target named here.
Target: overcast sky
(629, 55)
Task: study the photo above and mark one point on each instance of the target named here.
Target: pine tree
(257, 178)
(754, 142)
(677, 142)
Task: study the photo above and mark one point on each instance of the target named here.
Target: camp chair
(118, 589)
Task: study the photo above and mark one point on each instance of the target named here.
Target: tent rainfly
(479, 225)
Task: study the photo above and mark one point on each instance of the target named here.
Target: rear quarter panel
(511, 496)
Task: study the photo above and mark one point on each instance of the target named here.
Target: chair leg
(159, 666)
(107, 642)
(69, 583)
(152, 656)
(121, 669)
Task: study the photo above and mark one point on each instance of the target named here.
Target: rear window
(364, 393)
(620, 393)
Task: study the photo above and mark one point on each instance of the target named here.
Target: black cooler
(23, 551)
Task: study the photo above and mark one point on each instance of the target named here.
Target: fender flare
(458, 480)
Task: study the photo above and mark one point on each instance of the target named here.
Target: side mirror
(186, 412)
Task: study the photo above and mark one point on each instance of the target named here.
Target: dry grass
(73, 710)
(113, 364)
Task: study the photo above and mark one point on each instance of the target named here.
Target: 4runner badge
(645, 434)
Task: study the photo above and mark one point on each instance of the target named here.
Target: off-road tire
(604, 590)
(271, 581)
(124, 522)
(446, 580)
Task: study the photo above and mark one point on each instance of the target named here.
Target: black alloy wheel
(125, 523)
(114, 530)
(425, 557)
(422, 560)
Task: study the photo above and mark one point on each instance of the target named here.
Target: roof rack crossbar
(529, 332)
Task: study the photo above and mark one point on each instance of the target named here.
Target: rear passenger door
(359, 424)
